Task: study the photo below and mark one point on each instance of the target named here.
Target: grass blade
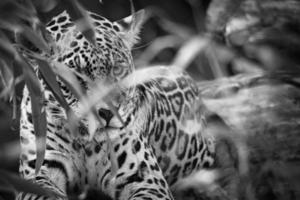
(7, 50)
(50, 79)
(189, 51)
(68, 77)
(35, 39)
(45, 5)
(7, 80)
(22, 185)
(11, 9)
(38, 111)
(81, 19)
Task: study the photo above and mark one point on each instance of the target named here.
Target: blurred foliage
(23, 37)
(255, 43)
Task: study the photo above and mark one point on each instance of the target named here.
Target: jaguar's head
(109, 59)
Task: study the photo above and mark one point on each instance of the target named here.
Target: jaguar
(72, 163)
(157, 141)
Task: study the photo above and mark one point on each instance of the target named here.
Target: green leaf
(68, 77)
(45, 5)
(21, 185)
(188, 52)
(8, 81)
(12, 25)
(35, 39)
(6, 71)
(38, 111)
(12, 9)
(92, 124)
(70, 80)
(6, 186)
(80, 17)
(7, 50)
(50, 79)
(29, 5)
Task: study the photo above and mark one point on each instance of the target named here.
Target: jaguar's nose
(105, 114)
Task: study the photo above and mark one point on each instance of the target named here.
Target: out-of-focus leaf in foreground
(13, 183)
(87, 108)
(7, 50)
(35, 39)
(81, 19)
(45, 5)
(38, 110)
(20, 11)
(7, 81)
(51, 80)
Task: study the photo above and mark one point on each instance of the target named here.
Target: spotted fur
(165, 110)
(160, 141)
(72, 163)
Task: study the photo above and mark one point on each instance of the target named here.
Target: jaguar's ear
(130, 27)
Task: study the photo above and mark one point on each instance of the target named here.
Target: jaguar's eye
(118, 70)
